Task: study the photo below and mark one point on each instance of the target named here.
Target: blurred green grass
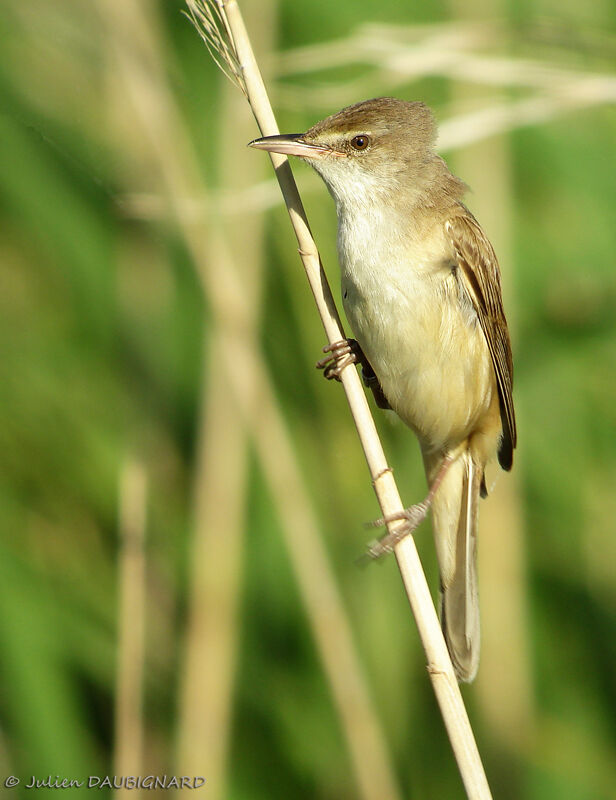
(101, 319)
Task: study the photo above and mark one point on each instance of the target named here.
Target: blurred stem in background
(220, 481)
(503, 685)
(129, 727)
(173, 159)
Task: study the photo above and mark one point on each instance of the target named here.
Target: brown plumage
(421, 289)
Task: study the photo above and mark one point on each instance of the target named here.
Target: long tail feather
(454, 519)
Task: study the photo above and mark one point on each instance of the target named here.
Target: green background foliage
(105, 337)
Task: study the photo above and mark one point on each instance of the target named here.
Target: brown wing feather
(480, 276)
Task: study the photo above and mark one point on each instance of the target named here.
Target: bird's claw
(341, 355)
(411, 518)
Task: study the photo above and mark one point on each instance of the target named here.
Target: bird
(421, 289)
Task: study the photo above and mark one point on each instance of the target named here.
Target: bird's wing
(480, 276)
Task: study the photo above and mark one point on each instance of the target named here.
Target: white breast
(421, 336)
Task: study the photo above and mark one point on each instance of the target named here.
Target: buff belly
(429, 353)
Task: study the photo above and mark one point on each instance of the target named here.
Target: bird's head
(371, 147)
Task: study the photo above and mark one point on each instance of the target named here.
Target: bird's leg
(343, 353)
(372, 382)
(412, 516)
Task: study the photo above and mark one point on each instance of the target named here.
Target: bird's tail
(454, 520)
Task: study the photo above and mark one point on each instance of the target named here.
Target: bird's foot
(411, 519)
(341, 354)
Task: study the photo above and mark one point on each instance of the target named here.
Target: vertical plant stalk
(504, 690)
(221, 481)
(210, 647)
(504, 687)
(128, 739)
(439, 664)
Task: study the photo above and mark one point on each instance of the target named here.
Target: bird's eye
(360, 142)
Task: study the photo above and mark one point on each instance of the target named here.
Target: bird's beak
(290, 144)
